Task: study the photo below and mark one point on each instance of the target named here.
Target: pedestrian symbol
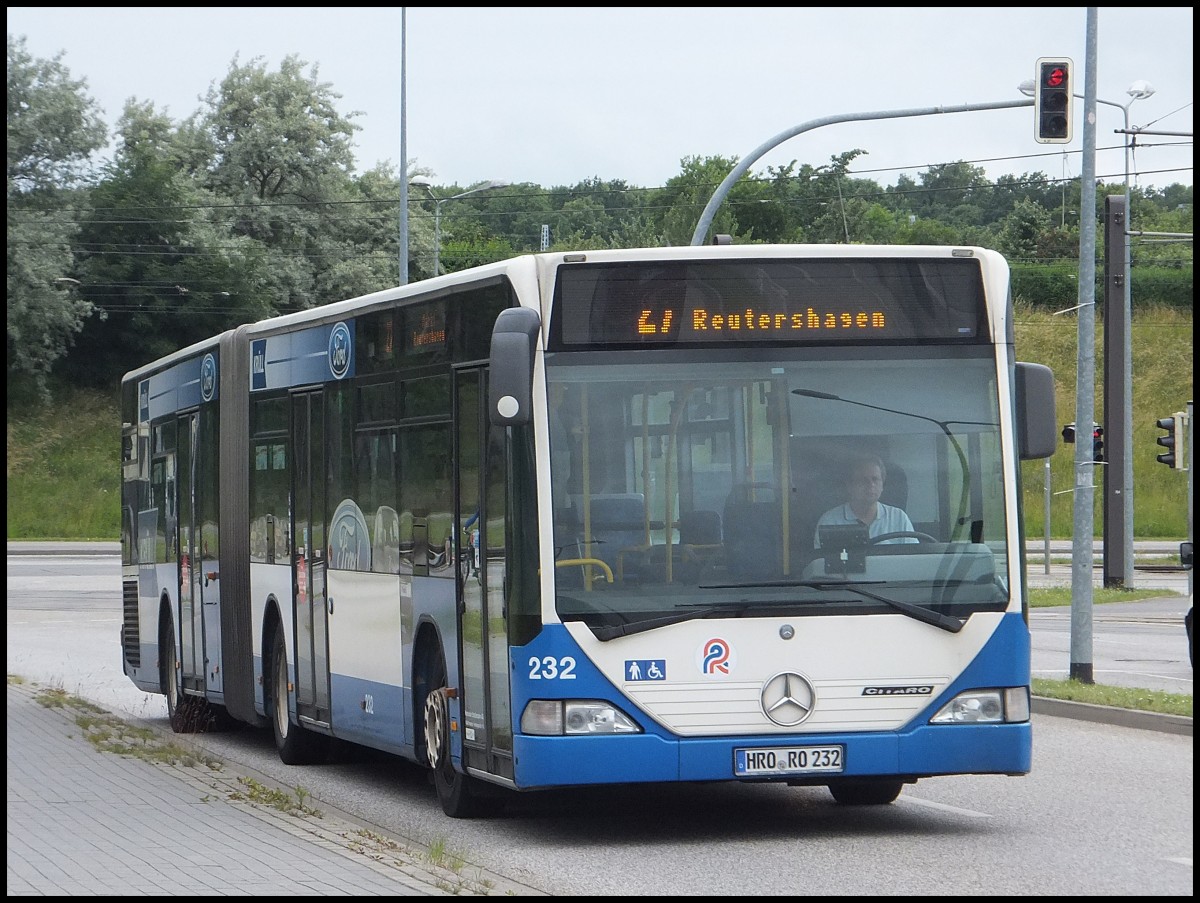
(639, 669)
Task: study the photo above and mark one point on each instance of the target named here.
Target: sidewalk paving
(86, 822)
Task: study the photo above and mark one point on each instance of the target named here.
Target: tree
(158, 255)
(53, 129)
(283, 156)
(1022, 230)
(677, 207)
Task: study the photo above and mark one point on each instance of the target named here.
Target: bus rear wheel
(460, 795)
(866, 793)
(296, 745)
(187, 714)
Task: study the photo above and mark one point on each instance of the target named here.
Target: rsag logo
(208, 377)
(339, 351)
(715, 658)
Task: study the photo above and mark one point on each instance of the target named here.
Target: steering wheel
(901, 534)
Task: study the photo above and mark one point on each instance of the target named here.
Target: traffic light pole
(718, 197)
(1085, 391)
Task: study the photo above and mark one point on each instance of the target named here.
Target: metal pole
(744, 165)
(1191, 438)
(1117, 564)
(1084, 524)
(1127, 377)
(437, 235)
(1046, 521)
(403, 155)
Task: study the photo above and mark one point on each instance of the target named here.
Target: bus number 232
(551, 668)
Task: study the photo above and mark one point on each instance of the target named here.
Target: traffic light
(1052, 101)
(1098, 444)
(1068, 433)
(1172, 425)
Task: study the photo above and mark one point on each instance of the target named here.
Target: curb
(1102, 714)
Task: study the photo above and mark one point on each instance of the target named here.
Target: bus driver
(864, 485)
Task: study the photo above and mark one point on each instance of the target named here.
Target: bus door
(482, 528)
(308, 557)
(199, 549)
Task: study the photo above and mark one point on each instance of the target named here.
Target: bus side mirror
(510, 382)
(1037, 425)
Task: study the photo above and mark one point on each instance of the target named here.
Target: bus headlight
(558, 717)
(1009, 705)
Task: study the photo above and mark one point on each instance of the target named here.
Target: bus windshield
(798, 481)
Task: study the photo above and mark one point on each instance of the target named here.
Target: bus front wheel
(460, 795)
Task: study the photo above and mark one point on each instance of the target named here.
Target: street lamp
(421, 182)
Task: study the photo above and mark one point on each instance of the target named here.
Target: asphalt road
(1106, 809)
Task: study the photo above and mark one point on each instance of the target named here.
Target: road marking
(970, 813)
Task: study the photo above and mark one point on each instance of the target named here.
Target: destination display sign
(842, 300)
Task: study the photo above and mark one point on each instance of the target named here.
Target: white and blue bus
(553, 522)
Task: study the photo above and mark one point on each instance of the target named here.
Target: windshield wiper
(945, 622)
(784, 584)
(694, 610)
(933, 618)
(604, 634)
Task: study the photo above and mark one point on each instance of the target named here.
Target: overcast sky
(557, 95)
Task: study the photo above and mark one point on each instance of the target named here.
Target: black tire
(866, 792)
(187, 714)
(460, 795)
(296, 744)
(168, 673)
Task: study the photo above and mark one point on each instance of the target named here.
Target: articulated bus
(558, 522)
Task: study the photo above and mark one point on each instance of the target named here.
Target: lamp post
(1139, 90)
(422, 182)
(403, 152)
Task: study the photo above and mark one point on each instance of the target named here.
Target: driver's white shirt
(888, 519)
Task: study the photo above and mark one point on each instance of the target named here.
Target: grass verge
(1158, 701)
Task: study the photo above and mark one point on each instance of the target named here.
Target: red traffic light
(1052, 97)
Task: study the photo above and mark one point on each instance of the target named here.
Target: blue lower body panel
(922, 752)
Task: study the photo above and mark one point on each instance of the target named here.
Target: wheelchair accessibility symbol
(639, 669)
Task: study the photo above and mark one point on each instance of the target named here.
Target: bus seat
(618, 523)
(700, 546)
(895, 487)
(752, 532)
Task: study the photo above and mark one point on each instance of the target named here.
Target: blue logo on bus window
(339, 350)
(208, 377)
(645, 669)
(258, 364)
